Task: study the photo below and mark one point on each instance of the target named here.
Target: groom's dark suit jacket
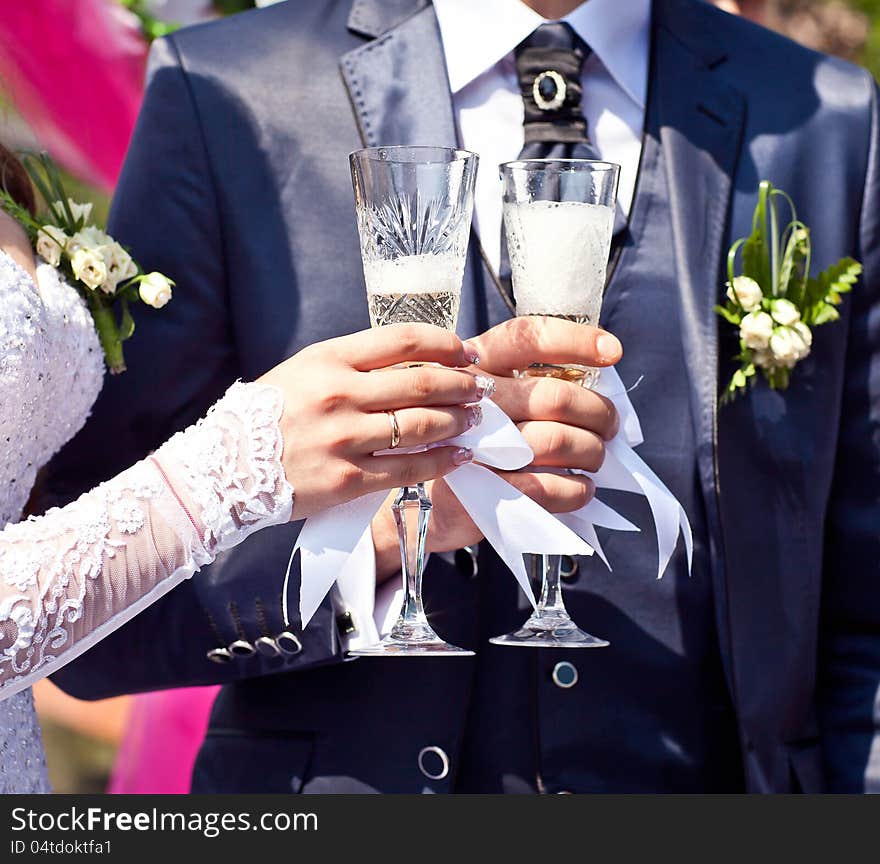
(237, 185)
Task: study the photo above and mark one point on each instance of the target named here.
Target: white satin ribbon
(624, 470)
(337, 544)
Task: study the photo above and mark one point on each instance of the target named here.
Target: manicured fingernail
(485, 386)
(608, 346)
(471, 353)
(462, 456)
(475, 416)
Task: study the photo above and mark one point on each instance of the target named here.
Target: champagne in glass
(564, 245)
(414, 208)
(414, 288)
(559, 219)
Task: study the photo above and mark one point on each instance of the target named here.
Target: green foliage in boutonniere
(103, 272)
(771, 297)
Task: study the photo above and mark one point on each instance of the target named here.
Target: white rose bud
(785, 346)
(784, 312)
(155, 290)
(746, 292)
(803, 339)
(120, 267)
(755, 330)
(50, 244)
(88, 266)
(89, 237)
(78, 211)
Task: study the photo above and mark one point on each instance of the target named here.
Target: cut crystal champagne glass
(414, 208)
(559, 219)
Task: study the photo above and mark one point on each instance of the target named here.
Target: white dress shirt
(479, 37)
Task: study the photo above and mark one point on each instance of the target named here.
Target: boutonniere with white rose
(103, 272)
(771, 298)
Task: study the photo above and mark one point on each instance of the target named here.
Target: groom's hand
(565, 425)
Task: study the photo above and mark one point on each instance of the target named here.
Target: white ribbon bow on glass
(337, 543)
(624, 470)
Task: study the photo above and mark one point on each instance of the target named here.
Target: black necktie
(548, 66)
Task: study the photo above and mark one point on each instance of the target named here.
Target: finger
(542, 339)
(560, 401)
(392, 389)
(418, 426)
(399, 343)
(386, 472)
(557, 493)
(561, 446)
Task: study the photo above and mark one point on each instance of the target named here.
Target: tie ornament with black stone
(549, 64)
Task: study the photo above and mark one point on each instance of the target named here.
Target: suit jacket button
(568, 568)
(288, 644)
(267, 646)
(242, 648)
(565, 675)
(220, 656)
(433, 762)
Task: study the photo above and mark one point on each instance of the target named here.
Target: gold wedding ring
(395, 430)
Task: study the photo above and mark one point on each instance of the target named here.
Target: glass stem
(551, 589)
(412, 510)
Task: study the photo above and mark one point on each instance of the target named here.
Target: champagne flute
(559, 218)
(414, 208)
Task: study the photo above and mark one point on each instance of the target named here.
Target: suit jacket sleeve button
(433, 762)
(288, 643)
(221, 656)
(267, 646)
(242, 648)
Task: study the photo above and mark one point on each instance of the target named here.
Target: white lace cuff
(227, 468)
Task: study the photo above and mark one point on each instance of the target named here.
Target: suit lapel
(700, 119)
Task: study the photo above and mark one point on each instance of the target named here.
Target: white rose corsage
(103, 272)
(772, 299)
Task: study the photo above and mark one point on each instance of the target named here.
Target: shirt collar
(478, 33)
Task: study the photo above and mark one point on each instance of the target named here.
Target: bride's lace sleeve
(70, 577)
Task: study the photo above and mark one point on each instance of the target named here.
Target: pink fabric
(75, 71)
(165, 731)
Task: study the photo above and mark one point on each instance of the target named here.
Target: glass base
(550, 631)
(411, 640)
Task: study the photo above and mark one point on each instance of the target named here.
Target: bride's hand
(337, 395)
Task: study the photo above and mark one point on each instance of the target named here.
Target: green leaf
(731, 259)
(756, 261)
(814, 293)
(739, 379)
(21, 215)
(826, 312)
(733, 316)
(795, 262)
(126, 324)
(38, 181)
(839, 278)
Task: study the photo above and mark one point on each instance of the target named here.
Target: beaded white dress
(70, 577)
